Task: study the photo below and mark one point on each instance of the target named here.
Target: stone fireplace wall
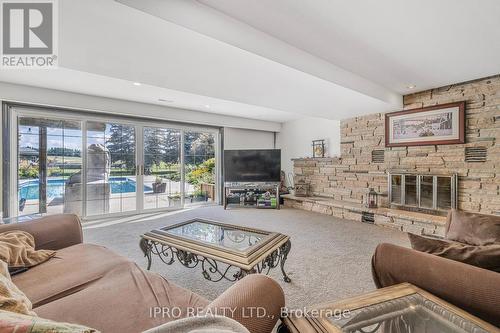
(347, 178)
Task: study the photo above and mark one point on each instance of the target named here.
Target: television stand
(252, 195)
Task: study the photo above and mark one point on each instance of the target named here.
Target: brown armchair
(473, 289)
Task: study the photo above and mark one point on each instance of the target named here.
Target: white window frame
(17, 110)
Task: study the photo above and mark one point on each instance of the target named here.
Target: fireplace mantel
(403, 220)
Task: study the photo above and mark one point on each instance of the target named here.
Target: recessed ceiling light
(164, 100)
(207, 106)
(137, 83)
(411, 86)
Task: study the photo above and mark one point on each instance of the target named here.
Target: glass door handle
(139, 170)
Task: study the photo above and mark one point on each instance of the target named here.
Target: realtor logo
(29, 33)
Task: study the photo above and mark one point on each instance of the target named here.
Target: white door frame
(142, 175)
(139, 163)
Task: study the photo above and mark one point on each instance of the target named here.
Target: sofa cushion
(51, 232)
(124, 300)
(15, 322)
(69, 271)
(485, 256)
(472, 228)
(11, 298)
(17, 249)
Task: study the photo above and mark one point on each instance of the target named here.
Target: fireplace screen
(422, 191)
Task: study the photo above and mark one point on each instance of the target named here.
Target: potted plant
(174, 200)
(208, 190)
(159, 186)
(198, 196)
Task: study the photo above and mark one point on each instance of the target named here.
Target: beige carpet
(329, 259)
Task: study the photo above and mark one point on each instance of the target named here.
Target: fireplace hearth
(428, 193)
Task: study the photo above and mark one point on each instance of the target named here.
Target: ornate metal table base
(211, 269)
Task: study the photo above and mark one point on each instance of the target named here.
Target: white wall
(295, 139)
(51, 97)
(237, 138)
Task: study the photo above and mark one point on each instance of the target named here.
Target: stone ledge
(414, 222)
(321, 159)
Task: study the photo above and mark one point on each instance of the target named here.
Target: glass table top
(409, 314)
(223, 236)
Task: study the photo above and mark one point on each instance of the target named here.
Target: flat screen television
(263, 165)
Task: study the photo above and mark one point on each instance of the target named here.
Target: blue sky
(30, 140)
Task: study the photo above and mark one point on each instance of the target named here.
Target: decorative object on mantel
(301, 190)
(433, 125)
(283, 188)
(291, 186)
(318, 148)
(372, 199)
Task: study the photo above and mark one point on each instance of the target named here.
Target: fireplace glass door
(395, 188)
(423, 192)
(444, 188)
(426, 192)
(411, 190)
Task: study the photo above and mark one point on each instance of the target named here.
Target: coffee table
(401, 308)
(223, 251)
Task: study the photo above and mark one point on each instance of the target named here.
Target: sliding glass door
(162, 168)
(200, 168)
(49, 153)
(95, 167)
(111, 179)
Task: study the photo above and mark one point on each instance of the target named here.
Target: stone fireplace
(411, 181)
(422, 192)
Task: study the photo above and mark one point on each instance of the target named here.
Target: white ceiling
(395, 43)
(105, 86)
(270, 60)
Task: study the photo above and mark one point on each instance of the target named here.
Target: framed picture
(434, 125)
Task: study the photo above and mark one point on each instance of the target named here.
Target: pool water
(55, 187)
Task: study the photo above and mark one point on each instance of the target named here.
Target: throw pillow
(485, 256)
(471, 228)
(11, 298)
(17, 249)
(11, 322)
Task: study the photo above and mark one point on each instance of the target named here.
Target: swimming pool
(55, 187)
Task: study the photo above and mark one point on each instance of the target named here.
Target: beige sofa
(90, 285)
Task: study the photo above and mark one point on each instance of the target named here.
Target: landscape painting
(440, 124)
